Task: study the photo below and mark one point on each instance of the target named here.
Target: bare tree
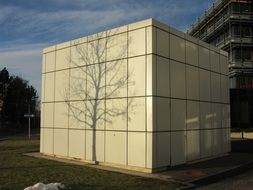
(98, 80)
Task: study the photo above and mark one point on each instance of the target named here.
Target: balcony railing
(233, 13)
(207, 13)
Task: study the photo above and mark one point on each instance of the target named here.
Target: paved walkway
(198, 172)
(192, 174)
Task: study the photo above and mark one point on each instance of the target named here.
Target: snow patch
(42, 186)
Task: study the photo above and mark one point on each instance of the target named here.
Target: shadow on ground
(242, 145)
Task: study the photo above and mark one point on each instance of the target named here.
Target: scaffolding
(228, 24)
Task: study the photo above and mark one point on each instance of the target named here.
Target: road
(243, 181)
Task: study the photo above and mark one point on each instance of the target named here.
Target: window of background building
(245, 8)
(236, 31)
(246, 54)
(226, 13)
(235, 8)
(246, 31)
(237, 55)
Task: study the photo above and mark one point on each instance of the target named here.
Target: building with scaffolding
(228, 25)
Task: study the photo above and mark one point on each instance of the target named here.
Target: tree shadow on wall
(98, 76)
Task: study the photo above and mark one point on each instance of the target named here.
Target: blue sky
(28, 26)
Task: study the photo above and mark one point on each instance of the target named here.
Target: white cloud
(25, 31)
(24, 61)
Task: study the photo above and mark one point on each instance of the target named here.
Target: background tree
(17, 97)
(4, 82)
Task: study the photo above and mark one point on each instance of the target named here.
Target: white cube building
(143, 96)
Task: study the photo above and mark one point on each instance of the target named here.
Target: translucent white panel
(77, 112)
(43, 63)
(50, 61)
(49, 87)
(96, 51)
(229, 140)
(217, 141)
(97, 36)
(206, 137)
(224, 89)
(79, 41)
(115, 147)
(48, 141)
(95, 145)
(163, 77)
(117, 30)
(162, 43)
(48, 49)
(206, 115)
(215, 61)
(41, 140)
(191, 53)
(151, 39)
(95, 114)
(178, 147)
(116, 114)
(116, 79)
(61, 142)
(136, 42)
(62, 85)
(63, 45)
(61, 115)
(192, 82)
(193, 145)
(79, 55)
(224, 64)
(136, 76)
(95, 81)
(177, 48)
(42, 88)
(77, 87)
(151, 150)
(163, 114)
(62, 58)
(193, 115)
(117, 47)
(77, 143)
(151, 113)
(215, 87)
(163, 149)
(176, 32)
(41, 115)
(226, 140)
(136, 114)
(48, 118)
(203, 44)
(204, 59)
(205, 85)
(216, 115)
(177, 73)
(136, 149)
(151, 75)
(140, 24)
(225, 116)
(178, 114)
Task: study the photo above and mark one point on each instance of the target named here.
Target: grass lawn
(18, 171)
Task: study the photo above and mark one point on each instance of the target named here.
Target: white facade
(142, 96)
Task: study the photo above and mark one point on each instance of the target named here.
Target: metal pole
(29, 127)
(29, 122)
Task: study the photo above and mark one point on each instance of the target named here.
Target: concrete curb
(218, 176)
(111, 169)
